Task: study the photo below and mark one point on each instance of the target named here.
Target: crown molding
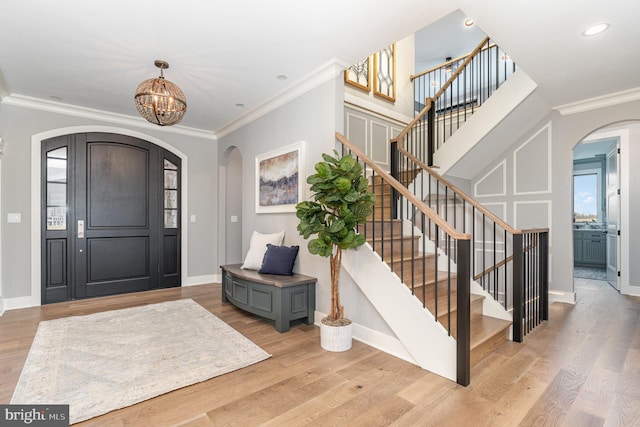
(599, 102)
(326, 72)
(101, 115)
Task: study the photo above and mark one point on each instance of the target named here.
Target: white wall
(18, 125)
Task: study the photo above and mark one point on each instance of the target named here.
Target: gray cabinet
(589, 248)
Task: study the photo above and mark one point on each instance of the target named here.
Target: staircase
(457, 280)
(434, 288)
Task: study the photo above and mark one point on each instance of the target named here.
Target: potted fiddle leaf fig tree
(340, 202)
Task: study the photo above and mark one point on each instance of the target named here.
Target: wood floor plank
(582, 367)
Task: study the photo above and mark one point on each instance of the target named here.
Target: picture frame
(280, 179)
(359, 75)
(384, 72)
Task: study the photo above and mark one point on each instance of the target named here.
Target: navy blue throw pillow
(279, 260)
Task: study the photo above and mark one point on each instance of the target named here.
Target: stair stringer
(415, 327)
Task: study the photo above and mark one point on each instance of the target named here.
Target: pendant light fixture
(160, 101)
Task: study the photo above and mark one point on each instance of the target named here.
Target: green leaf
(336, 225)
(342, 184)
(347, 163)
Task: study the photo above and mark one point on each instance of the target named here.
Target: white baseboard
(561, 296)
(19, 302)
(203, 280)
(633, 290)
(375, 339)
(25, 302)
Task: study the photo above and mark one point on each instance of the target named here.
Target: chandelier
(160, 101)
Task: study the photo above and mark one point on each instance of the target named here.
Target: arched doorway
(604, 237)
(230, 209)
(110, 216)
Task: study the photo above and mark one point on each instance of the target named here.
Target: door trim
(36, 253)
(623, 135)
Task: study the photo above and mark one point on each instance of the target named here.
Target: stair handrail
(468, 198)
(444, 64)
(529, 259)
(431, 100)
(457, 252)
(461, 68)
(403, 191)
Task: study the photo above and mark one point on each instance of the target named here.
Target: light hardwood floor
(581, 368)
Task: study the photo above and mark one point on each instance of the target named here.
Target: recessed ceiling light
(468, 22)
(281, 77)
(239, 105)
(596, 29)
(55, 98)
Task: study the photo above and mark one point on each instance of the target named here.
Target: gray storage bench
(274, 297)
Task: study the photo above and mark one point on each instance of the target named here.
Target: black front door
(111, 216)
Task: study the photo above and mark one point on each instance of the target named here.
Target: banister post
(518, 282)
(463, 336)
(544, 275)
(395, 172)
(431, 133)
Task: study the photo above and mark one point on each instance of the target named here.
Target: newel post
(395, 172)
(518, 284)
(463, 336)
(431, 133)
(544, 274)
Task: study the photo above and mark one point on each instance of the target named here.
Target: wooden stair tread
(487, 334)
(485, 327)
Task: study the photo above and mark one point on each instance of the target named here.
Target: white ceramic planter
(335, 338)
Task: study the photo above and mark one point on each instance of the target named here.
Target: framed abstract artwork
(358, 75)
(280, 179)
(384, 73)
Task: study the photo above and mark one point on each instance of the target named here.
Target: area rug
(106, 361)
(590, 273)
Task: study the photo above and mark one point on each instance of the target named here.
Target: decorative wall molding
(543, 224)
(325, 73)
(546, 190)
(371, 133)
(503, 216)
(597, 102)
(356, 130)
(101, 115)
(367, 106)
(503, 192)
(380, 152)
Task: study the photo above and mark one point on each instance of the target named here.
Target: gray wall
(17, 125)
(531, 182)
(313, 118)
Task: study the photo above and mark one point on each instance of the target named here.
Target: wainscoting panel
(494, 183)
(532, 164)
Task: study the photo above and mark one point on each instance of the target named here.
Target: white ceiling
(94, 54)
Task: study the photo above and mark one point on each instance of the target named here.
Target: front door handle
(80, 229)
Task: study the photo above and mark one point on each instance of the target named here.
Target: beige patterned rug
(105, 361)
